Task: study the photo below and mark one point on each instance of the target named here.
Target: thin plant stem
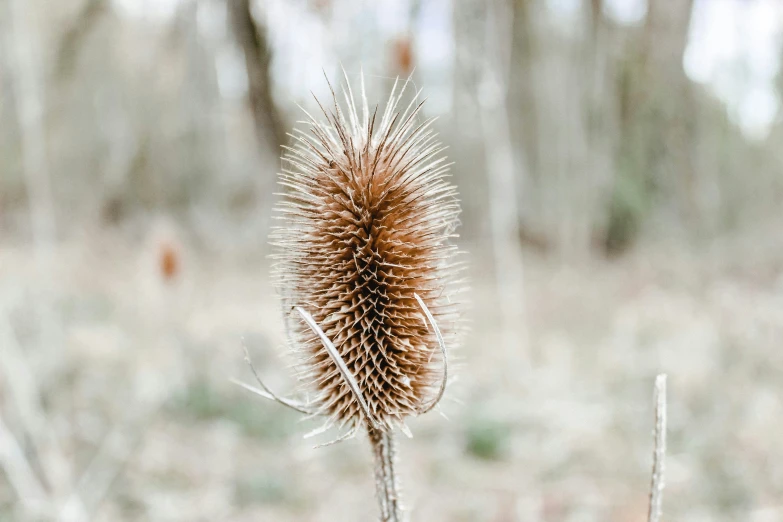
(265, 391)
(659, 452)
(32, 494)
(386, 484)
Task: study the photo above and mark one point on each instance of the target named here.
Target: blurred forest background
(620, 167)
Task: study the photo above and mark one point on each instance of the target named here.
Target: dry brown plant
(365, 258)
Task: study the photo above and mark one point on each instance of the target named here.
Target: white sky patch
(758, 110)
(212, 19)
(569, 8)
(628, 12)
(734, 49)
(231, 74)
(435, 52)
(159, 10)
(393, 16)
(303, 49)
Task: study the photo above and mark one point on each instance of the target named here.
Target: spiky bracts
(366, 224)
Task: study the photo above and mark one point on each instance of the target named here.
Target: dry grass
(569, 441)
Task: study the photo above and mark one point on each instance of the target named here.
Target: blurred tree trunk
(657, 113)
(74, 36)
(666, 37)
(522, 82)
(199, 106)
(599, 117)
(252, 38)
(11, 179)
(590, 131)
(29, 96)
(504, 170)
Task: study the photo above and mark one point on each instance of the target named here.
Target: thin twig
(109, 461)
(20, 474)
(265, 391)
(442, 345)
(659, 452)
(347, 435)
(25, 391)
(338, 360)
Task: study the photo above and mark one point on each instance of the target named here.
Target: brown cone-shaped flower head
(367, 221)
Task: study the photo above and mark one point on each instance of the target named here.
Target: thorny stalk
(381, 440)
(383, 448)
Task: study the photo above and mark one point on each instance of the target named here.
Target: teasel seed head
(364, 247)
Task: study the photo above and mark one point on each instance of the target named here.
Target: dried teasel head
(364, 252)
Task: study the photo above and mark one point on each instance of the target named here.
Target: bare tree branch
(252, 39)
(74, 36)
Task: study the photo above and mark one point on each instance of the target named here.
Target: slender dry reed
(659, 450)
(364, 258)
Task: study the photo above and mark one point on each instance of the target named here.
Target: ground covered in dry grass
(125, 343)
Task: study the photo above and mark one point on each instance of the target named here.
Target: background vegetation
(619, 163)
